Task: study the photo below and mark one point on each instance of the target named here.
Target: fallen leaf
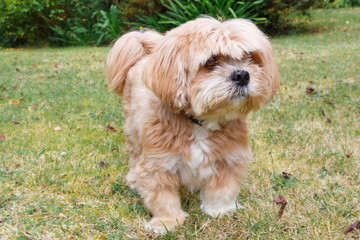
(57, 65)
(30, 108)
(17, 165)
(70, 234)
(102, 164)
(3, 88)
(33, 64)
(58, 128)
(279, 130)
(280, 200)
(110, 129)
(15, 86)
(330, 102)
(310, 91)
(352, 227)
(106, 86)
(322, 113)
(285, 175)
(328, 121)
(63, 175)
(16, 102)
(348, 155)
(17, 69)
(78, 128)
(15, 122)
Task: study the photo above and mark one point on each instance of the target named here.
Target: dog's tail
(126, 52)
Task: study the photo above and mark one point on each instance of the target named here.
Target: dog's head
(213, 70)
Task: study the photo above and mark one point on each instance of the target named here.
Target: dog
(186, 96)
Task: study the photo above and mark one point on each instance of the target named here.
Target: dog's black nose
(241, 77)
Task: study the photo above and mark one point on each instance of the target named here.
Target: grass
(62, 173)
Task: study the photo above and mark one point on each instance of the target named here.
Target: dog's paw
(163, 225)
(156, 228)
(131, 180)
(218, 210)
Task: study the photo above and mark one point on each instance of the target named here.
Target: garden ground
(63, 156)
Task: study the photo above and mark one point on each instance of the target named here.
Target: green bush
(180, 11)
(38, 22)
(280, 14)
(94, 22)
(340, 3)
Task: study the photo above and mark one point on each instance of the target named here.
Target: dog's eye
(211, 63)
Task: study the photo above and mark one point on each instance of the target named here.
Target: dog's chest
(199, 163)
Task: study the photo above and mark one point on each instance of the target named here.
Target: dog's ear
(264, 58)
(166, 74)
(126, 52)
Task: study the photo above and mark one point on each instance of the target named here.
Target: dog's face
(213, 70)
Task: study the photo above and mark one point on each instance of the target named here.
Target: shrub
(180, 11)
(280, 14)
(40, 21)
(340, 3)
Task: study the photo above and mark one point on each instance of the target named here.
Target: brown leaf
(330, 102)
(102, 164)
(15, 86)
(70, 234)
(110, 129)
(280, 200)
(348, 155)
(322, 113)
(352, 227)
(16, 102)
(310, 91)
(15, 122)
(285, 175)
(328, 121)
(17, 69)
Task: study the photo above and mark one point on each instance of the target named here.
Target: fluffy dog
(186, 96)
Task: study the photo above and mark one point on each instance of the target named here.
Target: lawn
(63, 157)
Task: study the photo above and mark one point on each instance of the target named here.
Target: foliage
(280, 14)
(42, 21)
(109, 24)
(340, 3)
(180, 11)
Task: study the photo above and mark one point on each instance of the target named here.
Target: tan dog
(186, 96)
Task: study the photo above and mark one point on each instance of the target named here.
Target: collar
(194, 120)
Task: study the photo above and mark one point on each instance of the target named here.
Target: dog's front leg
(159, 189)
(219, 193)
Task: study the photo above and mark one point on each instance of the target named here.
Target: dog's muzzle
(242, 78)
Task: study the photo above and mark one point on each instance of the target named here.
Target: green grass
(53, 187)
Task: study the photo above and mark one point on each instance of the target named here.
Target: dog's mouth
(238, 92)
